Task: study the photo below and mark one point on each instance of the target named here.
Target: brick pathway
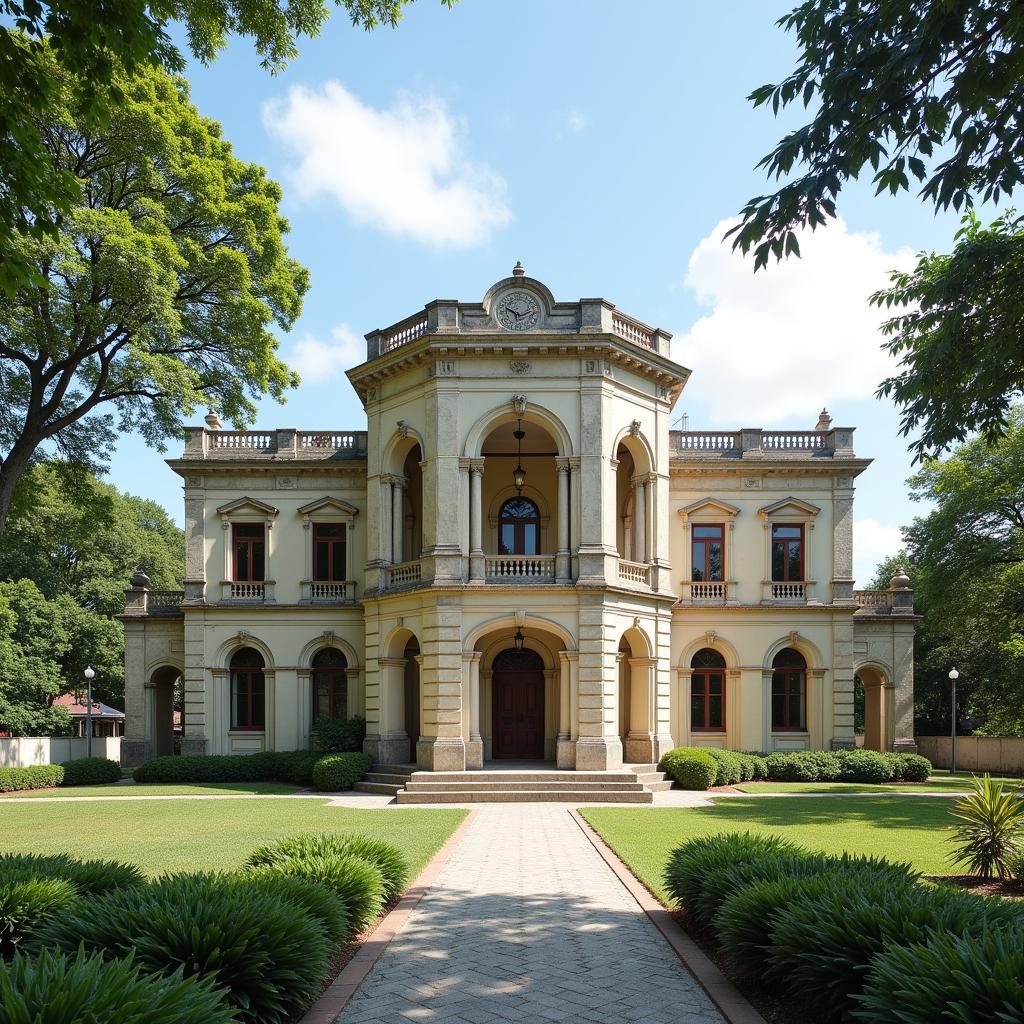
(527, 923)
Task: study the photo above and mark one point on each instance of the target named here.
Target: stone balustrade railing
(532, 568)
(707, 591)
(164, 601)
(754, 443)
(637, 574)
(787, 592)
(328, 592)
(632, 330)
(404, 574)
(206, 443)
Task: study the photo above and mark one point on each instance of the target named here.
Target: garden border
(730, 1002)
(337, 995)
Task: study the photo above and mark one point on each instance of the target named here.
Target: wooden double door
(517, 701)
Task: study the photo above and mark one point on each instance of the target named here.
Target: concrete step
(648, 777)
(384, 788)
(642, 769)
(389, 778)
(394, 769)
(483, 777)
(521, 795)
(540, 786)
(659, 787)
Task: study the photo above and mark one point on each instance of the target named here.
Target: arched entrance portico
(165, 700)
(871, 706)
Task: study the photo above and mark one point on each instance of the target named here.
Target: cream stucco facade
(441, 566)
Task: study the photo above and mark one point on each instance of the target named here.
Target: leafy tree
(925, 89)
(48, 46)
(161, 287)
(958, 336)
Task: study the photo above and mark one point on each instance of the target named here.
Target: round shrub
(382, 855)
(691, 862)
(914, 768)
(803, 766)
(90, 771)
(269, 956)
(864, 766)
(26, 904)
(89, 877)
(340, 771)
(689, 768)
(54, 989)
(315, 899)
(979, 977)
(359, 885)
(36, 776)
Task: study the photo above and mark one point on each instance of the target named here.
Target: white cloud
(318, 361)
(872, 542)
(779, 345)
(403, 170)
(576, 121)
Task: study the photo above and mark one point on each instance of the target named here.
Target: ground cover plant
(941, 782)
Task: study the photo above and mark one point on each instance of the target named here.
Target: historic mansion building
(519, 559)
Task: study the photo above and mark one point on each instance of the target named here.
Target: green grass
(207, 835)
(899, 828)
(943, 783)
(160, 789)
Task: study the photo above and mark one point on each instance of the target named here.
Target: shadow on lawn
(879, 811)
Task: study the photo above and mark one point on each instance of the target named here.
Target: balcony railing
(755, 443)
(708, 591)
(787, 592)
(324, 592)
(164, 602)
(233, 590)
(636, 574)
(528, 568)
(404, 574)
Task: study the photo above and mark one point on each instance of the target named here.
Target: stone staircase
(633, 784)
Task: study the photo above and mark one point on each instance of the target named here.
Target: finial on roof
(824, 421)
(519, 270)
(212, 419)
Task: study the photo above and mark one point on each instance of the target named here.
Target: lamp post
(953, 677)
(89, 674)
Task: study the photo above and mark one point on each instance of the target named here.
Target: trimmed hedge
(359, 884)
(689, 767)
(803, 766)
(384, 856)
(90, 771)
(268, 955)
(339, 735)
(26, 904)
(914, 768)
(340, 771)
(284, 765)
(36, 776)
(54, 989)
(865, 766)
(89, 877)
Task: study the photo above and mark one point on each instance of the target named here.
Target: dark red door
(518, 700)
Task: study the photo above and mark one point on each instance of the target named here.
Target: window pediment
(328, 507)
(789, 507)
(704, 507)
(246, 507)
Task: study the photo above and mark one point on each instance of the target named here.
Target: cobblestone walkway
(527, 923)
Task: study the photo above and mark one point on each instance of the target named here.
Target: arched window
(519, 528)
(789, 691)
(707, 691)
(248, 691)
(330, 684)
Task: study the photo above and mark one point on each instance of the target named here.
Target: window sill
(790, 732)
(236, 731)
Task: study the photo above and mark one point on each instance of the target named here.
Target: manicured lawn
(943, 783)
(160, 789)
(207, 835)
(900, 828)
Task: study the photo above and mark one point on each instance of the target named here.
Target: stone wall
(1004, 754)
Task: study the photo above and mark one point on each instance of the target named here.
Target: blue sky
(604, 145)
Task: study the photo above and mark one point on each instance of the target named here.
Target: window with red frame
(519, 528)
(329, 552)
(248, 691)
(330, 684)
(789, 691)
(787, 552)
(249, 544)
(707, 691)
(707, 550)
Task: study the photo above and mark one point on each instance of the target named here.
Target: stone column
(903, 681)
(385, 519)
(650, 547)
(640, 740)
(598, 746)
(441, 747)
(475, 744)
(476, 521)
(565, 750)
(639, 515)
(397, 518)
(562, 572)
(393, 747)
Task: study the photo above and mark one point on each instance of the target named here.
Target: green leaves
(990, 829)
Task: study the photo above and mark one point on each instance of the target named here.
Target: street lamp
(953, 677)
(89, 675)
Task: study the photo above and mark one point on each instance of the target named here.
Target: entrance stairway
(633, 784)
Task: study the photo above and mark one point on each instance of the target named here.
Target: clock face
(518, 311)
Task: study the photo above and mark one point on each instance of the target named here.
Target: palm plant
(991, 828)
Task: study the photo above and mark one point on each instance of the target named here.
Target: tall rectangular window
(329, 552)
(787, 552)
(249, 547)
(707, 550)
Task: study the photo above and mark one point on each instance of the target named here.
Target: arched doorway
(870, 708)
(329, 679)
(411, 688)
(166, 711)
(517, 703)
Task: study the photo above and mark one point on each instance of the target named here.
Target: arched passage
(637, 700)
(633, 497)
(401, 504)
(400, 697)
(166, 711)
(871, 712)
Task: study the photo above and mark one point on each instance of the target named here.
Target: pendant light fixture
(519, 474)
(519, 639)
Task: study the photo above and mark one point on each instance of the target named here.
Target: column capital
(569, 655)
(643, 662)
(639, 479)
(563, 464)
(391, 662)
(471, 656)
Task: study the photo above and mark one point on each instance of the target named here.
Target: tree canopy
(925, 91)
(50, 46)
(161, 289)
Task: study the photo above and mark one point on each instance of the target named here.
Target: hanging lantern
(519, 474)
(519, 639)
